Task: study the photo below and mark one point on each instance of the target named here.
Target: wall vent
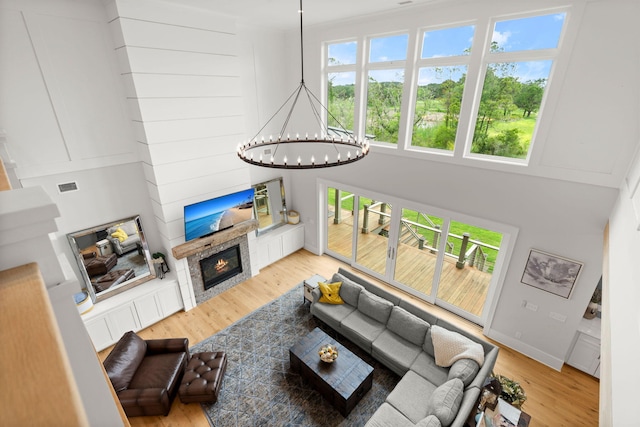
(67, 186)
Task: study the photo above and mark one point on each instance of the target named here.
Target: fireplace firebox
(221, 266)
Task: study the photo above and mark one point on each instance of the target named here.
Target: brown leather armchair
(146, 374)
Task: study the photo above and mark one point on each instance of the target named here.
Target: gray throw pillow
(430, 421)
(349, 291)
(408, 326)
(374, 306)
(465, 369)
(445, 401)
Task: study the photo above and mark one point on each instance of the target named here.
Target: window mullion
(472, 89)
(408, 94)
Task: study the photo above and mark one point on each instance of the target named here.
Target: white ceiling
(283, 14)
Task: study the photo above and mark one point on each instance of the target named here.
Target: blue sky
(537, 32)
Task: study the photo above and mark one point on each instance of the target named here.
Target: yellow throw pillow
(120, 235)
(330, 293)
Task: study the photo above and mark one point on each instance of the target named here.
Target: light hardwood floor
(568, 398)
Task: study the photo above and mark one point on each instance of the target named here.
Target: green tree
(529, 97)
(383, 110)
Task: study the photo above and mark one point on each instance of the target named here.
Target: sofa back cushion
(374, 306)
(123, 361)
(349, 291)
(408, 326)
(465, 369)
(371, 287)
(445, 401)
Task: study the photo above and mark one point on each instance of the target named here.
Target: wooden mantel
(198, 245)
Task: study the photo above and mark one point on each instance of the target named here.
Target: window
(341, 83)
(385, 82)
(468, 98)
(440, 86)
(513, 90)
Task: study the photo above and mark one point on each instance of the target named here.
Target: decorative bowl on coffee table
(328, 353)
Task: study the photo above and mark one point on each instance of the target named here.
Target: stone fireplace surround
(195, 250)
(195, 272)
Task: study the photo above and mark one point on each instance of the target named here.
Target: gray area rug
(259, 388)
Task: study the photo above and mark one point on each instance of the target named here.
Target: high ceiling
(283, 14)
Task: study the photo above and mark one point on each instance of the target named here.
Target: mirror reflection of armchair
(124, 237)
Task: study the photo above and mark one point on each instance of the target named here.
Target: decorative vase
(591, 311)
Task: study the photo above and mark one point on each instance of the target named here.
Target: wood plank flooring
(465, 288)
(568, 398)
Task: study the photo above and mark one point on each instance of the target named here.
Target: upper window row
(492, 108)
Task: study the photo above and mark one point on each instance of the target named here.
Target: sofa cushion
(408, 326)
(394, 351)
(361, 329)
(374, 306)
(410, 396)
(425, 366)
(332, 314)
(123, 361)
(388, 416)
(349, 291)
(445, 401)
(464, 369)
(160, 371)
(430, 421)
(330, 293)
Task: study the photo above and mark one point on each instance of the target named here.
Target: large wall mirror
(112, 257)
(269, 205)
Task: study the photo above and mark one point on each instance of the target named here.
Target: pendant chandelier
(328, 145)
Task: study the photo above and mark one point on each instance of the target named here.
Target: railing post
(436, 239)
(472, 257)
(421, 241)
(383, 209)
(337, 216)
(365, 220)
(463, 250)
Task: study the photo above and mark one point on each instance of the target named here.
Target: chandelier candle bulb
(285, 160)
(326, 159)
(313, 161)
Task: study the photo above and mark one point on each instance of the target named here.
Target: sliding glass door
(428, 253)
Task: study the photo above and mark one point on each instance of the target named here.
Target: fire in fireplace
(221, 266)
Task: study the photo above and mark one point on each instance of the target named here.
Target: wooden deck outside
(465, 288)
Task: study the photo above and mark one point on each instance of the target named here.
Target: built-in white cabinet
(585, 351)
(132, 310)
(279, 243)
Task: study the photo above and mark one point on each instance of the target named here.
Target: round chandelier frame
(335, 146)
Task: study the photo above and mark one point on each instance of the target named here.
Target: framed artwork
(551, 273)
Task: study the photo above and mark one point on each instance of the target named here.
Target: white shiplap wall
(182, 75)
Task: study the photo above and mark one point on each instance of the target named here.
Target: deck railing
(471, 251)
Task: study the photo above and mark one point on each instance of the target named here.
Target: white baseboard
(534, 353)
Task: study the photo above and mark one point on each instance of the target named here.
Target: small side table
(104, 247)
(310, 284)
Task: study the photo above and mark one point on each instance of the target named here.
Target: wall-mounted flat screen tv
(210, 216)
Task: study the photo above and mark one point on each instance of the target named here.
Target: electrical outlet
(531, 306)
(557, 316)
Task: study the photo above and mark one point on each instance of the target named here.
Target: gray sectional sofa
(401, 336)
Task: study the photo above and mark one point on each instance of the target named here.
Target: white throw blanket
(451, 346)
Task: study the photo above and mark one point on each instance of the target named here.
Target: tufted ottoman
(203, 377)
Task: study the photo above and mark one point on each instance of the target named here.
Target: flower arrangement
(328, 353)
(512, 391)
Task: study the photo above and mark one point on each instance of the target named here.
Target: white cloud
(501, 38)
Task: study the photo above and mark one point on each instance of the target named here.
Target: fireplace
(221, 266)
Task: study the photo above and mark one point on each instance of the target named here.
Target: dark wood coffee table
(343, 382)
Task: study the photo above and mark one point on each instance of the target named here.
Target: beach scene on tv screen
(209, 216)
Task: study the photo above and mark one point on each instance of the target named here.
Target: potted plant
(592, 308)
(512, 391)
